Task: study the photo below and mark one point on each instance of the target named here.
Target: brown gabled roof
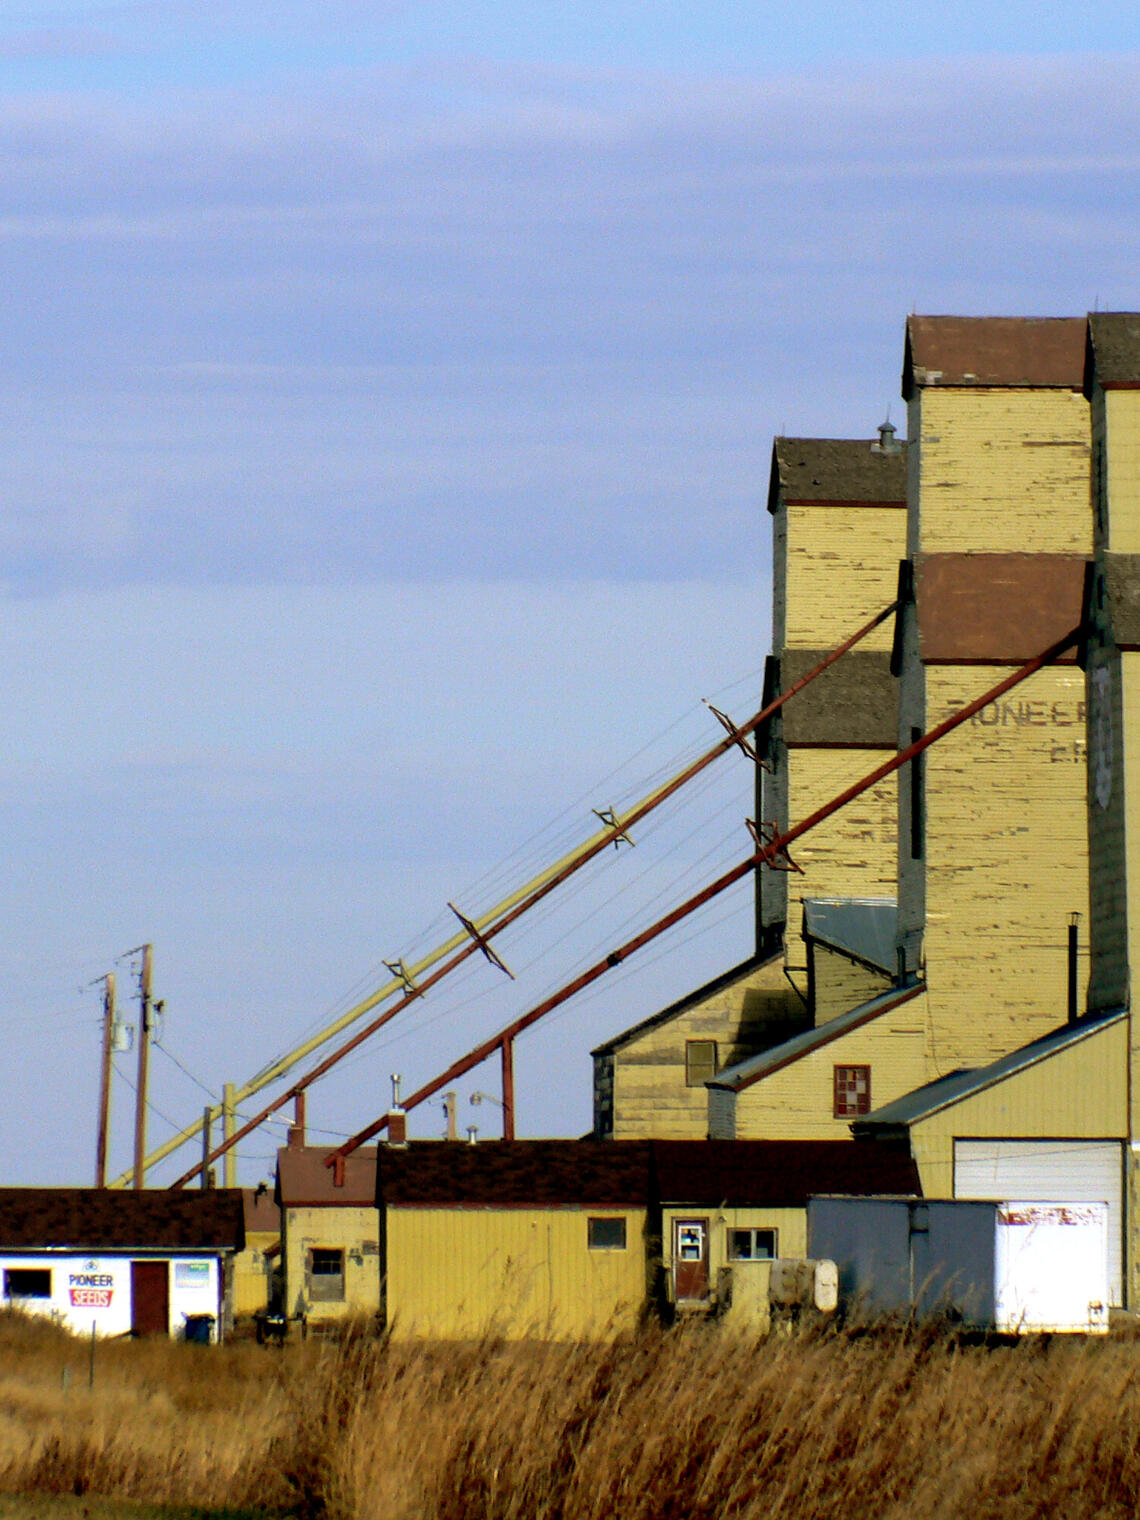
(1112, 352)
(262, 1211)
(845, 471)
(1000, 351)
(778, 1173)
(105, 1219)
(515, 1174)
(303, 1178)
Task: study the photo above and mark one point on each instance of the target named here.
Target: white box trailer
(1012, 1267)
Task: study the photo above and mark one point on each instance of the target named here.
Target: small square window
(27, 1282)
(852, 1091)
(700, 1062)
(752, 1245)
(326, 1275)
(606, 1234)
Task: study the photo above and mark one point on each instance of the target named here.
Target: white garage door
(1049, 1171)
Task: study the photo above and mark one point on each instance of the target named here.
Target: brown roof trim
(1006, 352)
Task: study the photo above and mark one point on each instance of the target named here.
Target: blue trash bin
(199, 1328)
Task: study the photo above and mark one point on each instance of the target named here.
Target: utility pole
(229, 1166)
(101, 1140)
(144, 1066)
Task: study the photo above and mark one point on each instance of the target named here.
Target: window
(27, 1282)
(700, 1062)
(606, 1234)
(752, 1245)
(326, 1275)
(852, 1091)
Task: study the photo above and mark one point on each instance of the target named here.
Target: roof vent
(472, 1134)
(888, 443)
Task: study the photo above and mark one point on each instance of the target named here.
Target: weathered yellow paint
(842, 568)
(1122, 463)
(1000, 471)
(841, 983)
(522, 1273)
(790, 1226)
(851, 854)
(1078, 1093)
(797, 1102)
(650, 1095)
(355, 1231)
(253, 1272)
(1129, 709)
(1006, 862)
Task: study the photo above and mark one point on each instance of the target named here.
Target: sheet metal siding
(650, 1098)
(91, 1291)
(1050, 1171)
(457, 1273)
(868, 1240)
(1128, 753)
(953, 1261)
(721, 1113)
(1004, 471)
(797, 1102)
(774, 809)
(1005, 862)
(1122, 468)
(841, 983)
(355, 1231)
(842, 567)
(1112, 787)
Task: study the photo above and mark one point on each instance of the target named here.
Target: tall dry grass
(687, 1423)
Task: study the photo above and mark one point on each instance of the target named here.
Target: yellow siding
(1122, 459)
(1006, 857)
(852, 854)
(790, 1226)
(1130, 690)
(252, 1273)
(459, 1273)
(1078, 1094)
(356, 1231)
(842, 567)
(650, 1095)
(797, 1102)
(1004, 471)
(841, 984)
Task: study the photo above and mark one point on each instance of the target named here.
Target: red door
(150, 1298)
(691, 1258)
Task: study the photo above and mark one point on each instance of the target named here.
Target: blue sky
(389, 396)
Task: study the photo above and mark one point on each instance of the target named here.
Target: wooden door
(150, 1298)
(690, 1258)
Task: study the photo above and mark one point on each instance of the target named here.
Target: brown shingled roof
(303, 1177)
(779, 1173)
(516, 1173)
(633, 1173)
(98, 1219)
(1001, 351)
(847, 471)
(1112, 355)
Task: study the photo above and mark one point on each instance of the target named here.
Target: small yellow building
(543, 1239)
(330, 1235)
(256, 1268)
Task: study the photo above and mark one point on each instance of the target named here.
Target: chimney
(397, 1118)
(888, 443)
(295, 1137)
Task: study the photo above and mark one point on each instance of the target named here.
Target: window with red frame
(852, 1091)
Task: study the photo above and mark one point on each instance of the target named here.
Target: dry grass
(688, 1424)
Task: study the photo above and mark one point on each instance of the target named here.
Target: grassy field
(685, 1425)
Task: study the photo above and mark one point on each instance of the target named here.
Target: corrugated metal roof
(515, 1173)
(860, 926)
(778, 1173)
(1112, 354)
(951, 1089)
(846, 471)
(745, 1073)
(303, 1178)
(107, 1219)
(999, 351)
(718, 984)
